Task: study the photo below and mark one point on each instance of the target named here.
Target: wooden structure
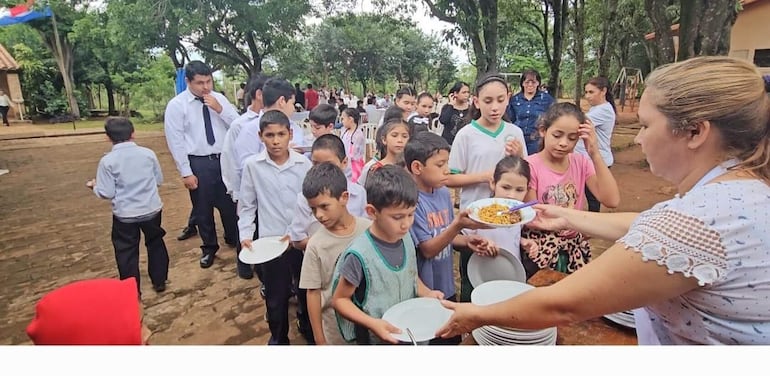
(9, 82)
(627, 86)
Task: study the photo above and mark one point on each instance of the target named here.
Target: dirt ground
(54, 231)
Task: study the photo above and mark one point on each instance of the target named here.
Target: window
(762, 57)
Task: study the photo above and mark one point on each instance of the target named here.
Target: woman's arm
(616, 281)
(609, 226)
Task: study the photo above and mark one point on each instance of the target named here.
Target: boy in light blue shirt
(130, 175)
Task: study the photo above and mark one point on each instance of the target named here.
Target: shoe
(207, 261)
(160, 287)
(187, 233)
(245, 271)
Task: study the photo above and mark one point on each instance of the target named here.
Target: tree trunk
(607, 28)
(560, 12)
(578, 7)
(715, 23)
(488, 10)
(110, 98)
(663, 44)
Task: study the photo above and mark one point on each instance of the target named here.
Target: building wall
(751, 31)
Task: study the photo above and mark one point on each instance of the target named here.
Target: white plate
(497, 291)
(263, 250)
(527, 214)
(504, 266)
(423, 316)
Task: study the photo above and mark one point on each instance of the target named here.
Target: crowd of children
(366, 235)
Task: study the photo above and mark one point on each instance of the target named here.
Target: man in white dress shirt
(195, 123)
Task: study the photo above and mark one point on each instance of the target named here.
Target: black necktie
(207, 122)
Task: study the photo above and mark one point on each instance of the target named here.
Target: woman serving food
(698, 264)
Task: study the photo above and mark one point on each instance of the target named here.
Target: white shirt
(271, 188)
(5, 101)
(186, 132)
(249, 143)
(304, 224)
(230, 167)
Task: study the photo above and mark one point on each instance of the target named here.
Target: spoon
(518, 207)
(411, 337)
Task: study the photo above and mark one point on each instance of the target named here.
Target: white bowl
(527, 214)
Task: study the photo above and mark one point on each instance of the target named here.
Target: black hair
(273, 117)
(602, 83)
(393, 113)
(324, 114)
(243, 85)
(276, 88)
(422, 146)
(484, 81)
(332, 143)
(556, 111)
(512, 163)
(530, 73)
(425, 94)
(370, 100)
(309, 86)
(457, 87)
(324, 178)
(406, 90)
(382, 132)
(196, 68)
(391, 186)
(256, 82)
(355, 114)
(118, 129)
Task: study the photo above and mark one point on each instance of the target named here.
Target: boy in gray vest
(379, 268)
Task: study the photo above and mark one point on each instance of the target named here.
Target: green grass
(139, 125)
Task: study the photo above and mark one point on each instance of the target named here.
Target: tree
(243, 33)
(578, 16)
(477, 21)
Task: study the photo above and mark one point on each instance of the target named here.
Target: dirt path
(53, 231)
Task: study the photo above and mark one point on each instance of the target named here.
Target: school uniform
(129, 175)
(268, 194)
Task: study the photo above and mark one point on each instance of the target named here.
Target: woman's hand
(463, 320)
(550, 218)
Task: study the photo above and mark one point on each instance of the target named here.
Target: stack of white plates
(622, 318)
(494, 292)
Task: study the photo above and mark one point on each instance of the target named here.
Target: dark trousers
(125, 240)
(191, 219)
(278, 280)
(465, 284)
(211, 193)
(4, 112)
(594, 204)
(242, 266)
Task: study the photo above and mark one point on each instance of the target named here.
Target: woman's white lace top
(719, 234)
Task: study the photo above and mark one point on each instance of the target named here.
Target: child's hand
(246, 244)
(383, 329)
(587, 133)
(513, 147)
(435, 294)
(482, 246)
(91, 184)
(466, 222)
(531, 247)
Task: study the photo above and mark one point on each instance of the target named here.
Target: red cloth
(311, 97)
(90, 312)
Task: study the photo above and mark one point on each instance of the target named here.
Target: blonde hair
(727, 92)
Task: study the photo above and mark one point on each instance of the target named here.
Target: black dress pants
(125, 240)
(278, 279)
(211, 193)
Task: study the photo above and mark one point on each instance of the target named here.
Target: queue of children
(366, 236)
